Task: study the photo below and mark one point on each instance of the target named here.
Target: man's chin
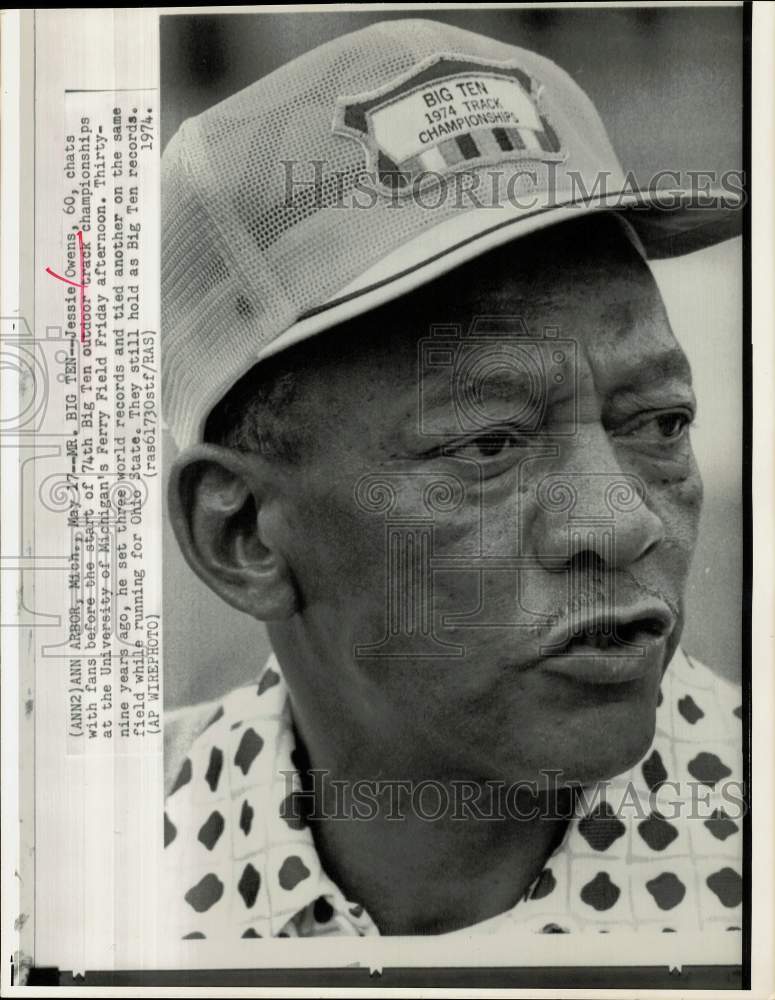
(606, 757)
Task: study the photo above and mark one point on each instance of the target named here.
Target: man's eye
(672, 425)
(666, 426)
(493, 445)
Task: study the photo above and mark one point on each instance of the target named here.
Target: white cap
(363, 169)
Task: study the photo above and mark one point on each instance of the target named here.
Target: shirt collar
(240, 773)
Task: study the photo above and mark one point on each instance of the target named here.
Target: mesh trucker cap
(364, 169)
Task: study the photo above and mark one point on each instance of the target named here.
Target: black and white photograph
(463, 649)
(386, 441)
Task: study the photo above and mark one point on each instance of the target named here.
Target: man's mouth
(618, 636)
(622, 646)
(613, 627)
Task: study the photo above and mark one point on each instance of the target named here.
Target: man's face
(491, 538)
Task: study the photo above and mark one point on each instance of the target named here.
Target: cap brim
(690, 224)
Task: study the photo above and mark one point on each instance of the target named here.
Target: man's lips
(611, 648)
(611, 627)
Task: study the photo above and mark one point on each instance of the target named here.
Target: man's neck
(430, 859)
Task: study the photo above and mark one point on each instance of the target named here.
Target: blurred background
(668, 84)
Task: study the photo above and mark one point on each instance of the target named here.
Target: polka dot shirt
(240, 864)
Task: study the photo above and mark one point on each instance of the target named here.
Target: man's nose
(594, 507)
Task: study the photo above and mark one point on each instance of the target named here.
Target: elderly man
(435, 433)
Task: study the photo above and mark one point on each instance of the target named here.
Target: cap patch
(448, 115)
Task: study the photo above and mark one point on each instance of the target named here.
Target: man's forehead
(631, 354)
(626, 338)
(546, 373)
(602, 298)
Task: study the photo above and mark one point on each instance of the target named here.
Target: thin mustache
(628, 600)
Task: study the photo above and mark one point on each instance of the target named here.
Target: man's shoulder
(182, 726)
(185, 727)
(694, 684)
(699, 723)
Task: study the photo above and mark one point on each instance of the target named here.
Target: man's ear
(220, 512)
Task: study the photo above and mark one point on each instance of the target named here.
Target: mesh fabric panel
(241, 261)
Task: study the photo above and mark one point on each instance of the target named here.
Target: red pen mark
(81, 285)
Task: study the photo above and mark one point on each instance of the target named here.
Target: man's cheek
(679, 505)
(330, 544)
